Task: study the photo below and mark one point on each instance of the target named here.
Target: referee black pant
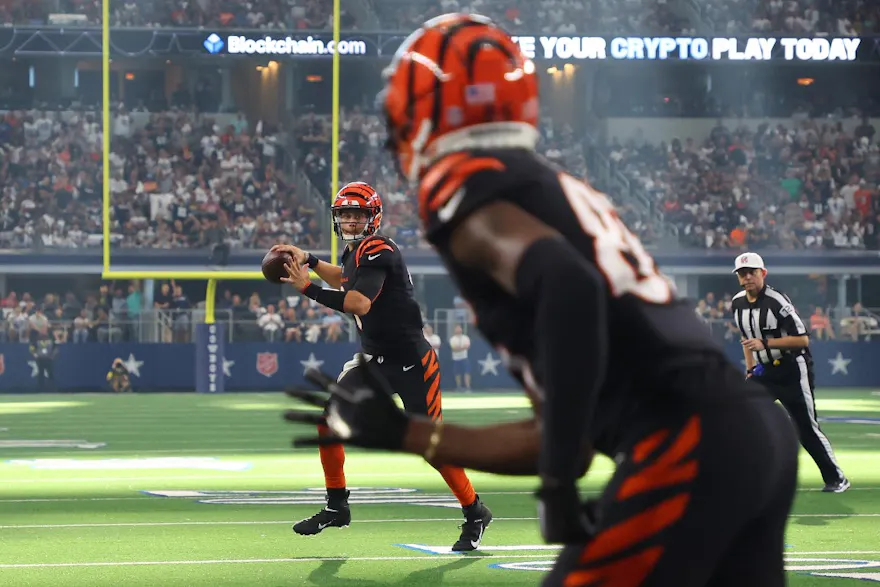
(792, 383)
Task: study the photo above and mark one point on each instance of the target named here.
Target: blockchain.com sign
(286, 45)
(565, 47)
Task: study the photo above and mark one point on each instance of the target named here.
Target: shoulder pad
(375, 251)
(443, 186)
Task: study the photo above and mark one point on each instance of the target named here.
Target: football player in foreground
(614, 363)
(376, 287)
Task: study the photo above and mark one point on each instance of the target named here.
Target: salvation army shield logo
(267, 364)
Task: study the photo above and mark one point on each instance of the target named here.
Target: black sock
(336, 496)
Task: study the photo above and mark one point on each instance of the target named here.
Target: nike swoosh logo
(446, 213)
(476, 543)
(408, 368)
(371, 257)
(322, 526)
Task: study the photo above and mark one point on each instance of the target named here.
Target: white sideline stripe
(277, 522)
(415, 495)
(134, 478)
(67, 499)
(305, 560)
(243, 475)
(232, 523)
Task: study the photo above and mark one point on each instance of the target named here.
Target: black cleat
(837, 486)
(476, 519)
(336, 514)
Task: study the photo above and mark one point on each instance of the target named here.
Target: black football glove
(563, 519)
(365, 416)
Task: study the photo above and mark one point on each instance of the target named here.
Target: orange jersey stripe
(452, 179)
(432, 366)
(668, 469)
(433, 396)
(646, 447)
(438, 171)
(376, 248)
(367, 243)
(628, 572)
(636, 529)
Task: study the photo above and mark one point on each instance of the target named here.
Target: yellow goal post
(212, 277)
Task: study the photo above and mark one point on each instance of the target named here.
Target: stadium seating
(799, 17)
(361, 159)
(844, 17)
(177, 180)
(217, 14)
(544, 17)
(806, 184)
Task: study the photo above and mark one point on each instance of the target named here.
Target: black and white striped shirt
(772, 315)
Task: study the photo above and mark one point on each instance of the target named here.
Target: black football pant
(792, 384)
(415, 378)
(700, 498)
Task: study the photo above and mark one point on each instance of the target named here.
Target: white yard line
(286, 522)
(319, 559)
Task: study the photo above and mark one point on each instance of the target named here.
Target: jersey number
(620, 256)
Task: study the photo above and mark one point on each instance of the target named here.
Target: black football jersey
(393, 326)
(649, 329)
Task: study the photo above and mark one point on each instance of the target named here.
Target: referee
(776, 348)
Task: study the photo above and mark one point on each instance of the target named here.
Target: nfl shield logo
(267, 364)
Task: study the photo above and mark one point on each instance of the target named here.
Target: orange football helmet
(357, 195)
(458, 83)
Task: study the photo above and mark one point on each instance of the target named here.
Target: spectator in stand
(820, 325)
(81, 327)
(432, 338)
(272, 324)
(292, 327)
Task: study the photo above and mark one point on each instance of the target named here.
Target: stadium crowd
(120, 311)
(217, 14)
(180, 179)
(361, 156)
(798, 17)
(852, 324)
(549, 17)
(802, 17)
(808, 184)
(177, 180)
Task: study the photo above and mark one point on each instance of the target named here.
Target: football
(273, 265)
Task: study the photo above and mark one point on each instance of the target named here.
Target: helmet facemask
(366, 219)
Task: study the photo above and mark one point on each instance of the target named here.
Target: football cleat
(336, 514)
(476, 519)
(837, 486)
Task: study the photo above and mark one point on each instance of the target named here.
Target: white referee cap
(749, 261)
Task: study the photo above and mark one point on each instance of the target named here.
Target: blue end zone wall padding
(276, 366)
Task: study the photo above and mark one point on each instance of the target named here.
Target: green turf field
(200, 490)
